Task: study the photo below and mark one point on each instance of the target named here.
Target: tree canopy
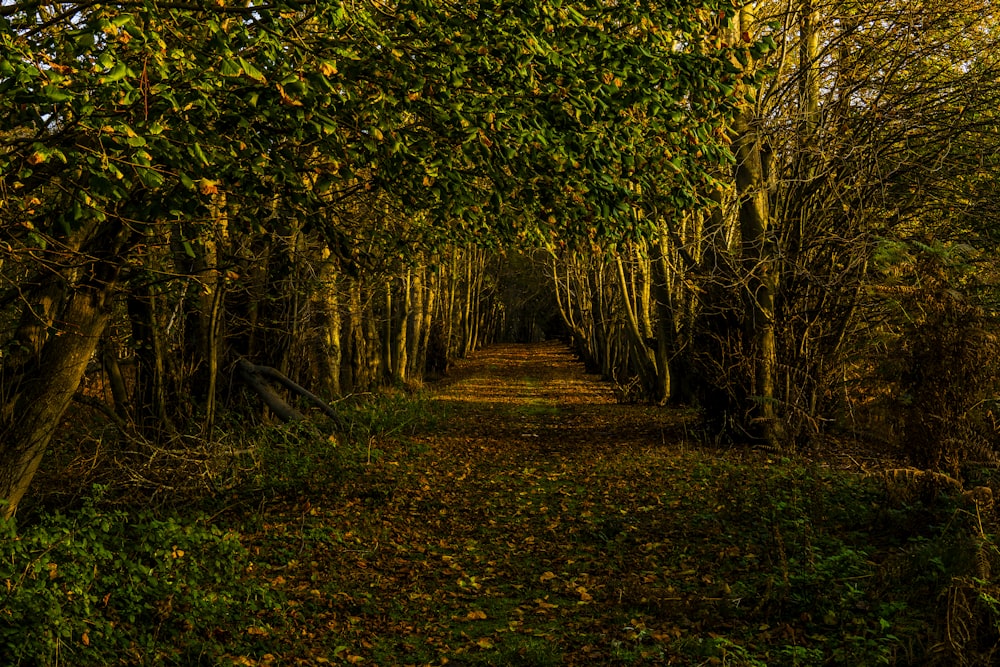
(495, 121)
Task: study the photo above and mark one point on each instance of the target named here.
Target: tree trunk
(38, 406)
(467, 308)
(429, 303)
(149, 394)
(203, 321)
(665, 318)
(759, 269)
(644, 357)
(326, 327)
(415, 330)
(112, 370)
(360, 333)
(400, 327)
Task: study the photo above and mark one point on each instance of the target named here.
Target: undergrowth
(97, 586)
(410, 537)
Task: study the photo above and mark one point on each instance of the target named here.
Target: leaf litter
(540, 522)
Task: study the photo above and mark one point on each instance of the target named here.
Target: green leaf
(150, 178)
(252, 71)
(198, 153)
(56, 94)
(230, 68)
(117, 73)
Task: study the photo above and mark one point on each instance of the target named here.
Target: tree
(169, 152)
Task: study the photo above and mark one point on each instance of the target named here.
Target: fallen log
(257, 378)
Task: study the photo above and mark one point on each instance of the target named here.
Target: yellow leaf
(476, 615)
(285, 99)
(208, 187)
(547, 576)
(484, 643)
(85, 638)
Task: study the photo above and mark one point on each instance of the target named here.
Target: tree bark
(38, 406)
(759, 268)
(400, 328)
(327, 353)
(149, 393)
(257, 377)
(645, 359)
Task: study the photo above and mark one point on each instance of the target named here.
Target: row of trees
(195, 192)
(781, 211)
(845, 273)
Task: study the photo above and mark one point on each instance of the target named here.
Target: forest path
(537, 401)
(533, 522)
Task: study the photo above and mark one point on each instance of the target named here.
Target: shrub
(100, 587)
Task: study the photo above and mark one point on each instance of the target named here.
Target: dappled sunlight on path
(540, 398)
(545, 372)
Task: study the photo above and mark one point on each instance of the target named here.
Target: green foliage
(98, 586)
(391, 415)
(288, 458)
(293, 456)
(501, 121)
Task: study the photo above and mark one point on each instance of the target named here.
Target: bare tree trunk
(327, 354)
(400, 328)
(204, 318)
(581, 341)
(644, 357)
(415, 335)
(149, 394)
(108, 352)
(759, 267)
(478, 260)
(357, 343)
(387, 346)
(429, 304)
(467, 308)
(665, 318)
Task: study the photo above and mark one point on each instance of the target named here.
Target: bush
(102, 587)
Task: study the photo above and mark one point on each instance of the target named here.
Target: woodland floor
(536, 521)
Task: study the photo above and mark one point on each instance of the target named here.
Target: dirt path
(536, 401)
(513, 532)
